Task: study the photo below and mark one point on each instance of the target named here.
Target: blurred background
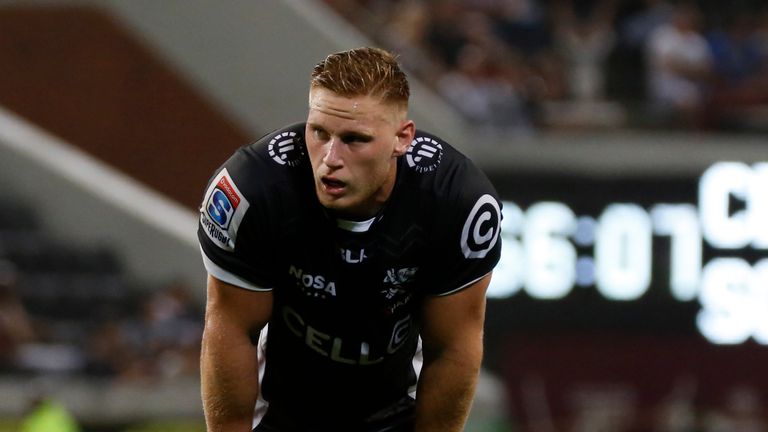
(627, 139)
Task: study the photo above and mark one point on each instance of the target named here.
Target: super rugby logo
(424, 154)
(482, 227)
(223, 203)
(285, 149)
(223, 209)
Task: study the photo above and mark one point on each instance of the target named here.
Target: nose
(332, 157)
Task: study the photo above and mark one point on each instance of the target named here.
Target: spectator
(679, 68)
(741, 72)
(444, 35)
(107, 353)
(522, 25)
(584, 43)
(481, 94)
(167, 326)
(405, 30)
(639, 26)
(15, 324)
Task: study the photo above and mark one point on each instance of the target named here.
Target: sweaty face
(353, 143)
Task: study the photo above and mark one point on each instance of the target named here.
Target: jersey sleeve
(231, 229)
(467, 241)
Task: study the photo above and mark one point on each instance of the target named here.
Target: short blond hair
(363, 72)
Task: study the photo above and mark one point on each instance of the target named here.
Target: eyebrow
(347, 134)
(356, 136)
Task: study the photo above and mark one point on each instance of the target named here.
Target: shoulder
(283, 148)
(462, 194)
(462, 210)
(259, 167)
(438, 168)
(257, 180)
(244, 206)
(275, 152)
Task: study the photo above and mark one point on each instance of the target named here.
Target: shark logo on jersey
(222, 211)
(400, 276)
(286, 149)
(394, 289)
(482, 227)
(424, 154)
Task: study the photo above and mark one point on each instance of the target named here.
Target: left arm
(452, 336)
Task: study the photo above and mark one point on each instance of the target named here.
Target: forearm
(446, 389)
(229, 379)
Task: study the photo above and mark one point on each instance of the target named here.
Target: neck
(373, 206)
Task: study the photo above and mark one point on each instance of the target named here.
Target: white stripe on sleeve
(228, 277)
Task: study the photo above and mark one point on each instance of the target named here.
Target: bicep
(455, 321)
(236, 308)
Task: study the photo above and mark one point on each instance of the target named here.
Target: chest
(374, 271)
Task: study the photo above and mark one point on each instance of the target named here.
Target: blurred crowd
(159, 340)
(523, 65)
(137, 335)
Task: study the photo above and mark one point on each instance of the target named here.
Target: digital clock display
(701, 241)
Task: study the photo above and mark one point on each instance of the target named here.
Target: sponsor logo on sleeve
(400, 333)
(482, 227)
(223, 209)
(424, 154)
(286, 149)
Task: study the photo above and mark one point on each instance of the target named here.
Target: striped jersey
(340, 346)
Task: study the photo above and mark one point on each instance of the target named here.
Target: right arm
(228, 362)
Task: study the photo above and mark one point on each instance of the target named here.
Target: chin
(336, 204)
(342, 207)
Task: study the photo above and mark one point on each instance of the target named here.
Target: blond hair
(363, 72)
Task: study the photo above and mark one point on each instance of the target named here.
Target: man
(679, 66)
(336, 250)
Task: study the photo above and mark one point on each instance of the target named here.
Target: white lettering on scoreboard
(540, 254)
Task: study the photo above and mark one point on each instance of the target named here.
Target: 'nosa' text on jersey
(317, 283)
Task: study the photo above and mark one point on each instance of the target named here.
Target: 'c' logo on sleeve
(482, 227)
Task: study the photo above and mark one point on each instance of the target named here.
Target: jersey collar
(355, 226)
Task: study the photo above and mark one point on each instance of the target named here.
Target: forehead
(328, 107)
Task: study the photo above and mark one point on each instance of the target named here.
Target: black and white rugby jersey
(347, 295)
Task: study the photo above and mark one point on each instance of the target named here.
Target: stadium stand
(531, 64)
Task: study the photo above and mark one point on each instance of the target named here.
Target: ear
(404, 138)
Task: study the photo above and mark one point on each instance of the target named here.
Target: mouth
(332, 186)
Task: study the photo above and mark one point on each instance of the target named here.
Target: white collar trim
(355, 226)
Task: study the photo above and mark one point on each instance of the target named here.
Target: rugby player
(348, 258)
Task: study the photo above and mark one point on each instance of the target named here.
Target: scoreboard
(694, 247)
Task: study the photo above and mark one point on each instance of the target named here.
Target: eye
(352, 138)
(320, 134)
